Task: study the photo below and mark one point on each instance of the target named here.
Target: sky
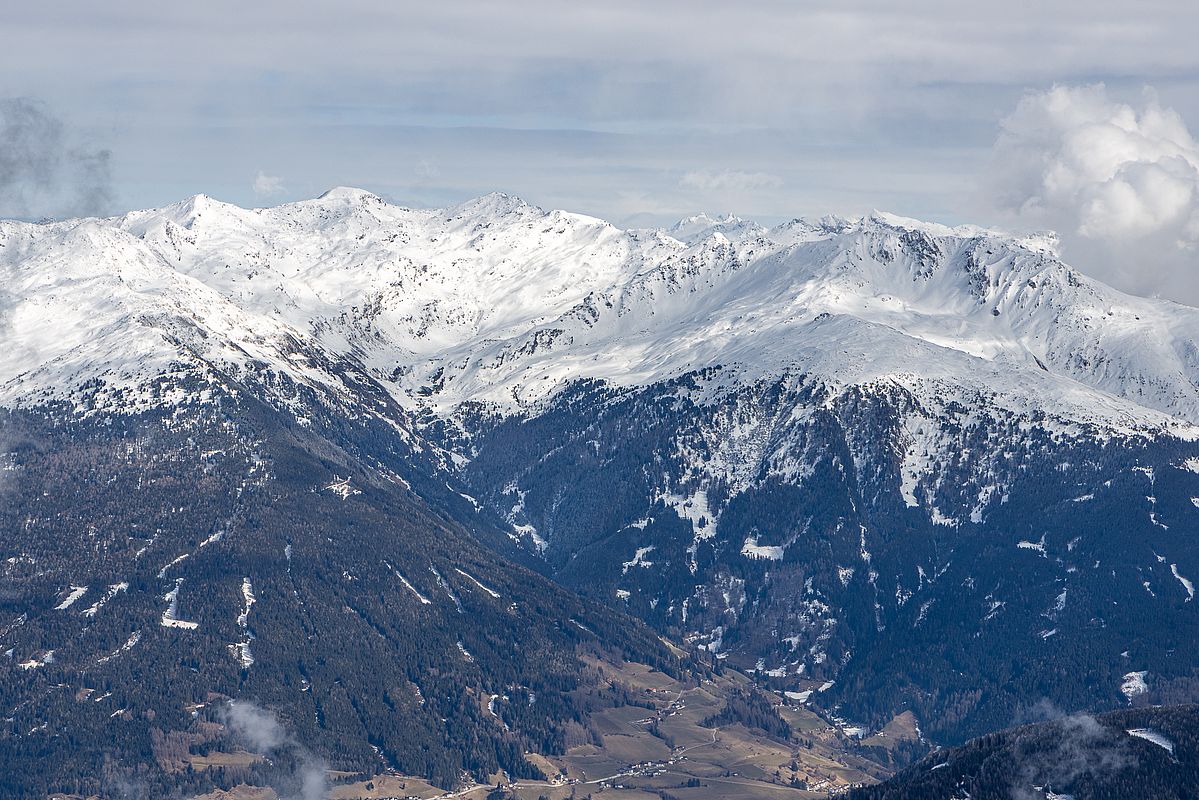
(1067, 115)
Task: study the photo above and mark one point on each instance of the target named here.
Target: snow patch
(41, 661)
(170, 617)
(342, 487)
(694, 509)
(162, 573)
(1039, 547)
(445, 587)
(76, 593)
(1134, 684)
(94, 609)
(213, 539)
(491, 710)
(129, 644)
(1186, 583)
(242, 649)
(751, 549)
(476, 582)
(638, 560)
(423, 600)
(1150, 735)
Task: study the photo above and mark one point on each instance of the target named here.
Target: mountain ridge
(518, 275)
(881, 464)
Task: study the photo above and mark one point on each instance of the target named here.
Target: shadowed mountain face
(809, 567)
(166, 563)
(359, 463)
(1139, 754)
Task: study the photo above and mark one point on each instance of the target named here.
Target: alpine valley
(492, 493)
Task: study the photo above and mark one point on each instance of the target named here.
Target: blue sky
(636, 112)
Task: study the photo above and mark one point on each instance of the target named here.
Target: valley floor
(660, 752)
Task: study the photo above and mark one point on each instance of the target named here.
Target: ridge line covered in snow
(502, 302)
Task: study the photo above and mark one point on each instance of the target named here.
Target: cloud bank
(1119, 182)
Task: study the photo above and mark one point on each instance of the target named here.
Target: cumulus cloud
(268, 185)
(729, 180)
(1119, 182)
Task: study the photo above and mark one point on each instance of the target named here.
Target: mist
(261, 732)
(1082, 746)
(44, 169)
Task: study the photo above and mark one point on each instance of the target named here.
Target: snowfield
(501, 305)
(501, 302)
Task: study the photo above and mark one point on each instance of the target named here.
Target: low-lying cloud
(261, 732)
(1120, 183)
(1081, 746)
(257, 727)
(42, 171)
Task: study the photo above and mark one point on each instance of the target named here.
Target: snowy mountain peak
(884, 219)
(701, 226)
(1040, 241)
(499, 301)
(495, 205)
(350, 194)
(186, 212)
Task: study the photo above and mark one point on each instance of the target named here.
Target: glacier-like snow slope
(501, 302)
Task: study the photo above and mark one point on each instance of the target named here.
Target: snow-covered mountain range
(884, 463)
(500, 302)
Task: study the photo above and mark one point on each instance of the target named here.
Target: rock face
(896, 465)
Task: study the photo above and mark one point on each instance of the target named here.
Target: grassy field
(241, 793)
(649, 753)
(216, 759)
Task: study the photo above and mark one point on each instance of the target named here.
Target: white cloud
(1120, 183)
(427, 170)
(1074, 158)
(730, 180)
(261, 731)
(268, 185)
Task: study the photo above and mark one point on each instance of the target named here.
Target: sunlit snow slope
(501, 302)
